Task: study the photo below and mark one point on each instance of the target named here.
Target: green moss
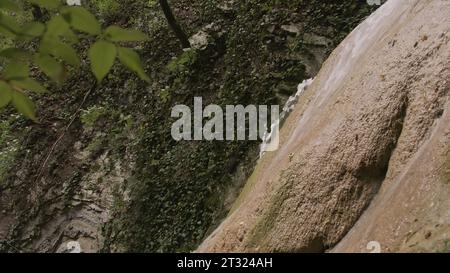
(106, 6)
(91, 115)
(9, 147)
(113, 133)
(96, 145)
(183, 63)
(5, 129)
(268, 220)
(443, 247)
(152, 3)
(165, 95)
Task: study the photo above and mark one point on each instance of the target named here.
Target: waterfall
(287, 109)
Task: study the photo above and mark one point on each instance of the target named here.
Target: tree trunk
(174, 25)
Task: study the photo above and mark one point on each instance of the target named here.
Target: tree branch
(174, 25)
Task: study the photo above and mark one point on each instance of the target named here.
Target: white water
(287, 109)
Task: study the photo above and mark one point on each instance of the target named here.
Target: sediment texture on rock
(370, 137)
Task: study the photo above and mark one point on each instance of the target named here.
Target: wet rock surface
(364, 154)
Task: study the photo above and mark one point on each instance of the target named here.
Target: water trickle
(287, 109)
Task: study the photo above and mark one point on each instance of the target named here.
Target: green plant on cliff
(56, 40)
(91, 115)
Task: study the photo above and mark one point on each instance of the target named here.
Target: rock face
(101, 167)
(365, 155)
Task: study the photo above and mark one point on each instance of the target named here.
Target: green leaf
(29, 85)
(24, 105)
(118, 34)
(102, 55)
(51, 67)
(16, 70)
(82, 20)
(5, 94)
(131, 60)
(48, 4)
(8, 26)
(58, 27)
(9, 5)
(60, 50)
(15, 53)
(33, 29)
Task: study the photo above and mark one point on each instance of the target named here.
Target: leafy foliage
(102, 55)
(57, 39)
